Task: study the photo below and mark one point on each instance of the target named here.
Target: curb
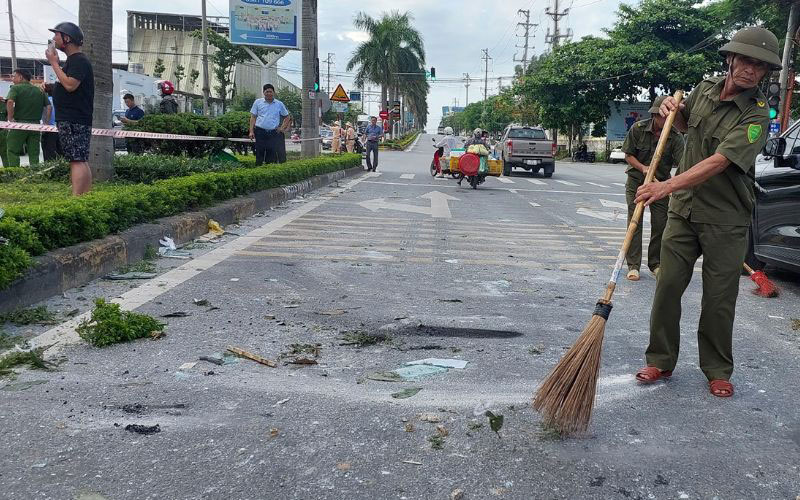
(65, 268)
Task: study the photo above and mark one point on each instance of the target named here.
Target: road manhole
(468, 333)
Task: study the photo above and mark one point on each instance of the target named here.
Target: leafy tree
(293, 102)
(243, 101)
(179, 75)
(193, 76)
(159, 68)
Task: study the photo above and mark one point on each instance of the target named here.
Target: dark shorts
(74, 139)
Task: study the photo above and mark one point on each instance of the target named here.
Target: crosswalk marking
(534, 204)
(407, 176)
(596, 184)
(618, 184)
(537, 182)
(505, 180)
(566, 183)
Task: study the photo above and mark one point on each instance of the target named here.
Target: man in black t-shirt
(73, 98)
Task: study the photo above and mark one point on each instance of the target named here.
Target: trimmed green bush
(402, 142)
(150, 168)
(38, 223)
(180, 123)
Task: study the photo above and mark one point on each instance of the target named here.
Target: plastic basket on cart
(469, 164)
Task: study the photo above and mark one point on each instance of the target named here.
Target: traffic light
(774, 100)
(433, 73)
(316, 75)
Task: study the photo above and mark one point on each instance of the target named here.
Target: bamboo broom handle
(637, 213)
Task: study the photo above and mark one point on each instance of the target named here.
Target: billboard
(266, 23)
(623, 115)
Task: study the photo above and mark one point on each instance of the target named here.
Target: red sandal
(721, 388)
(651, 374)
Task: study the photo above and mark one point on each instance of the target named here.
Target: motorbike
(584, 156)
(436, 163)
(469, 166)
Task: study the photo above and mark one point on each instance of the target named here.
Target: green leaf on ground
(32, 316)
(31, 358)
(110, 325)
(406, 393)
(495, 422)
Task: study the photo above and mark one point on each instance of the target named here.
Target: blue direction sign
(266, 23)
(774, 127)
(355, 96)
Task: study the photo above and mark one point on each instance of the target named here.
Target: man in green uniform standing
(726, 120)
(639, 147)
(3, 133)
(25, 104)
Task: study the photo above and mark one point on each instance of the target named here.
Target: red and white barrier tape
(123, 134)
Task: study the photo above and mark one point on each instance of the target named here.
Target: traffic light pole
(310, 71)
(788, 50)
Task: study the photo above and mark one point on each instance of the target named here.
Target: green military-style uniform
(3, 135)
(641, 143)
(29, 103)
(709, 219)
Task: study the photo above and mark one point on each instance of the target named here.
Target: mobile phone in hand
(51, 46)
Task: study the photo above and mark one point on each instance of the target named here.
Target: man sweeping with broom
(726, 122)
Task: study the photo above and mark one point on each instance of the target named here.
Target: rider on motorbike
(476, 139)
(448, 143)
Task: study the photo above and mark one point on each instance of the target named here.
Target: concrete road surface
(503, 277)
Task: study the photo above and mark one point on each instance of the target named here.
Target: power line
(527, 25)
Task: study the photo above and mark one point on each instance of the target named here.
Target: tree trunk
(310, 54)
(95, 18)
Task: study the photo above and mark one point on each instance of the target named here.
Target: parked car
(327, 138)
(116, 124)
(617, 156)
(775, 229)
(527, 147)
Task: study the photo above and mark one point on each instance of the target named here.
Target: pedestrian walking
(350, 138)
(726, 120)
(26, 103)
(373, 134)
(336, 137)
(73, 98)
(265, 121)
(51, 149)
(639, 148)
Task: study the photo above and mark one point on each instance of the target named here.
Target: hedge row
(401, 143)
(34, 228)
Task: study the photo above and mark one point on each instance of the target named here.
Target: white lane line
(534, 204)
(407, 176)
(618, 184)
(566, 183)
(596, 184)
(455, 186)
(537, 181)
(64, 334)
(613, 204)
(505, 180)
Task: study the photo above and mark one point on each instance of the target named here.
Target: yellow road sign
(340, 95)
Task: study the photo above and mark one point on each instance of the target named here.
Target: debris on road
(407, 373)
(453, 301)
(252, 357)
(168, 249)
(536, 350)
(795, 324)
(332, 312)
(32, 358)
(281, 402)
(32, 316)
(201, 302)
(495, 422)
(143, 429)
(430, 418)
(302, 361)
(343, 466)
(273, 432)
(134, 275)
(457, 494)
(406, 393)
(458, 364)
(187, 366)
(409, 427)
(176, 314)
(22, 386)
(437, 442)
(411, 462)
(442, 430)
(219, 358)
(214, 228)
(360, 338)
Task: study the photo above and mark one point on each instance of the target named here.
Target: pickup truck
(528, 148)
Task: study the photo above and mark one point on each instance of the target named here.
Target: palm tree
(394, 47)
(95, 19)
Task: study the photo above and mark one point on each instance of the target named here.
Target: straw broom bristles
(566, 397)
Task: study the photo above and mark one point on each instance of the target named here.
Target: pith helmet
(657, 104)
(755, 42)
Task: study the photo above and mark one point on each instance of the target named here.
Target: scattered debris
(219, 358)
(201, 302)
(8, 342)
(157, 334)
(457, 494)
(495, 422)
(176, 314)
(291, 306)
(409, 427)
(22, 386)
(234, 279)
(343, 466)
(430, 417)
(332, 312)
(411, 462)
(143, 429)
(313, 349)
(110, 325)
(273, 432)
(536, 350)
(281, 402)
(269, 316)
(252, 357)
(454, 301)
(437, 442)
(33, 316)
(406, 393)
(187, 366)
(474, 425)
(73, 313)
(458, 364)
(19, 358)
(214, 228)
(598, 481)
(133, 275)
(795, 324)
(442, 430)
(168, 249)
(302, 361)
(407, 373)
(360, 338)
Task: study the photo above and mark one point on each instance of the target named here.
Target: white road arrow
(613, 204)
(609, 216)
(439, 208)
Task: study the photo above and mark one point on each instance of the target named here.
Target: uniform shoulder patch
(760, 104)
(753, 132)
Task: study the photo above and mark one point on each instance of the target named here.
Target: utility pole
(555, 39)
(527, 25)
(206, 86)
(310, 67)
(13, 40)
(329, 62)
(466, 77)
(486, 59)
(788, 51)
(499, 84)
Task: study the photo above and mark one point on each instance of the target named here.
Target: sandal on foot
(721, 388)
(651, 374)
(633, 275)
